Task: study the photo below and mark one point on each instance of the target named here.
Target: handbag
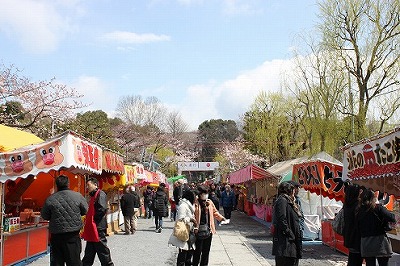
(181, 230)
(338, 223)
(191, 240)
(204, 231)
(376, 246)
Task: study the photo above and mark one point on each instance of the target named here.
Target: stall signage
(373, 159)
(197, 166)
(321, 177)
(11, 224)
(130, 173)
(112, 162)
(66, 151)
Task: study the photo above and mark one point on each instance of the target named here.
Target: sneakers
(227, 221)
(159, 230)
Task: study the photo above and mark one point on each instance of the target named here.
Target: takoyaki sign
(377, 158)
(67, 150)
(321, 177)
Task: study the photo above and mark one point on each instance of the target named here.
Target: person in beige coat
(204, 212)
(185, 212)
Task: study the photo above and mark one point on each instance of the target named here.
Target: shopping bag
(181, 230)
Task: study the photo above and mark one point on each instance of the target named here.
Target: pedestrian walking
(205, 212)
(185, 213)
(173, 209)
(286, 243)
(129, 201)
(95, 226)
(64, 210)
(160, 207)
(148, 196)
(228, 202)
(352, 237)
(372, 218)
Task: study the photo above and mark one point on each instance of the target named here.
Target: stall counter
(25, 243)
(332, 239)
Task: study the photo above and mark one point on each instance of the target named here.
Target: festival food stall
(325, 179)
(27, 177)
(112, 182)
(258, 186)
(375, 163)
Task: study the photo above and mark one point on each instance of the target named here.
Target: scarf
(294, 205)
(90, 232)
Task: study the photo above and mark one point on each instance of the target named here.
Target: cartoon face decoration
(48, 155)
(78, 151)
(17, 163)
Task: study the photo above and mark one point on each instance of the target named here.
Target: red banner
(322, 178)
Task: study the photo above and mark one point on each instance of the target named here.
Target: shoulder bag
(338, 223)
(204, 230)
(181, 230)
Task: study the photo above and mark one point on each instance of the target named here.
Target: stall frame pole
(2, 209)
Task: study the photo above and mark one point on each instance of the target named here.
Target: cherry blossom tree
(25, 103)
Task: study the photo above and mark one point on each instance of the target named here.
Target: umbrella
(174, 178)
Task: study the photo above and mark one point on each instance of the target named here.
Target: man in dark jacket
(95, 226)
(228, 202)
(130, 203)
(64, 209)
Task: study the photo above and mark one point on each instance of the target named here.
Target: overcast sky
(207, 59)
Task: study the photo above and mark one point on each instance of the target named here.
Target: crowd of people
(197, 205)
(365, 222)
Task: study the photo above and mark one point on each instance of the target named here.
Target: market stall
(27, 178)
(257, 188)
(375, 163)
(323, 178)
(112, 182)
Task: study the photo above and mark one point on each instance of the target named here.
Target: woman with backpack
(160, 207)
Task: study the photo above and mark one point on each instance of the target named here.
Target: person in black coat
(371, 218)
(352, 238)
(287, 236)
(64, 209)
(129, 201)
(160, 207)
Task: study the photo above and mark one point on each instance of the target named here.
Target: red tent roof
(250, 172)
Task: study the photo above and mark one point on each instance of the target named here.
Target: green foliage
(272, 128)
(12, 112)
(96, 126)
(212, 133)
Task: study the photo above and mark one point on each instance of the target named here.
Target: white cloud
(97, 94)
(131, 37)
(240, 7)
(190, 2)
(232, 98)
(37, 25)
